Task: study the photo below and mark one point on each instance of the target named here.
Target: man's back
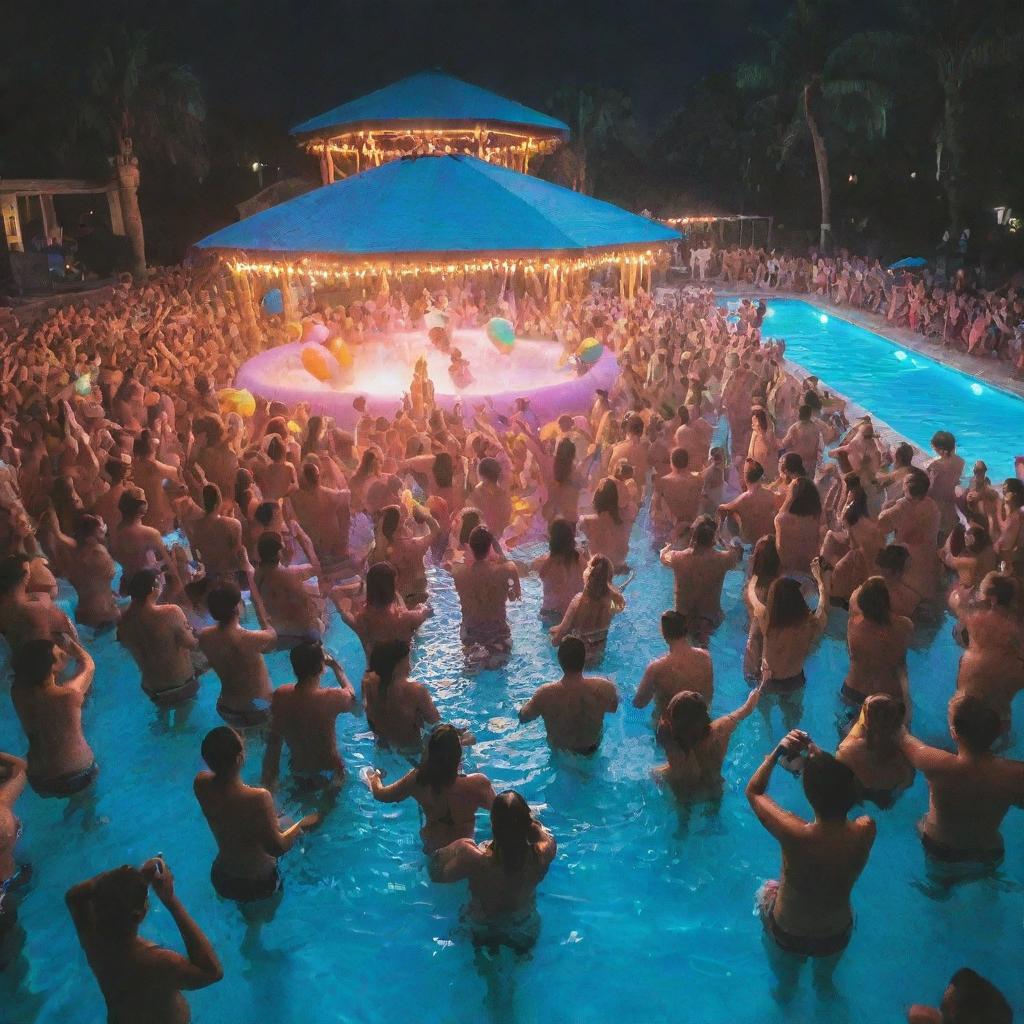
(482, 586)
(305, 717)
(573, 711)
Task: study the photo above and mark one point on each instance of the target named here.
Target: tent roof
(434, 98)
(438, 205)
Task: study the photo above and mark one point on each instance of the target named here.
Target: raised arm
(823, 578)
(200, 966)
(780, 823)
(81, 681)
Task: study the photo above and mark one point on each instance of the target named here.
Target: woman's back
(495, 891)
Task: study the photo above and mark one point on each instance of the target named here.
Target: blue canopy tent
(440, 215)
(428, 112)
(909, 263)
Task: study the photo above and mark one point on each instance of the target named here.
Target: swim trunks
(67, 784)
(244, 890)
(286, 641)
(798, 945)
(851, 696)
(172, 696)
(945, 854)
(789, 684)
(257, 713)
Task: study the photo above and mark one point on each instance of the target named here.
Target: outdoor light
(1002, 214)
(913, 174)
(255, 166)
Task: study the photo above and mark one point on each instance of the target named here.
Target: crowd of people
(172, 516)
(945, 306)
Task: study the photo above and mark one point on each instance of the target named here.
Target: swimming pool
(647, 913)
(912, 393)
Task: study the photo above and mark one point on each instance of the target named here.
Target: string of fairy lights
(500, 146)
(346, 273)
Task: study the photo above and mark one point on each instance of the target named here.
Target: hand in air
(159, 876)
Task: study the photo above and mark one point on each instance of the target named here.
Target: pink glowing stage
(382, 370)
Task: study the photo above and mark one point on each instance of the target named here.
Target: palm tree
(596, 117)
(801, 85)
(955, 42)
(132, 104)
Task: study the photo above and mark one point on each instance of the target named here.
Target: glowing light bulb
(823, 319)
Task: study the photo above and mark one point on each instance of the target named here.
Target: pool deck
(995, 372)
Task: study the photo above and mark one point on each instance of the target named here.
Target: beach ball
(315, 332)
(293, 330)
(341, 352)
(590, 351)
(501, 333)
(236, 400)
(273, 301)
(319, 363)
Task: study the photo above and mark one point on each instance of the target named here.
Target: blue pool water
(647, 913)
(912, 393)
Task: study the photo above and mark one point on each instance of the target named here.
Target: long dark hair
(786, 604)
(512, 831)
(469, 520)
(444, 469)
(385, 658)
(565, 459)
(765, 563)
(380, 585)
(439, 767)
(314, 430)
(606, 499)
(562, 541)
(805, 500)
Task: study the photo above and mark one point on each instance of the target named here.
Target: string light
(710, 219)
(499, 146)
(323, 271)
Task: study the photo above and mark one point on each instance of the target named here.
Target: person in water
(160, 641)
(60, 760)
(140, 980)
(448, 799)
(397, 707)
(872, 749)
(236, 655)
(969, 999)
(485, 586)
(970, 791)
(13, 776)
(244, 822)
(303, 715)
(695, 745)
(503, 874)
(684, 667)
(807, 912)
(573, 708)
